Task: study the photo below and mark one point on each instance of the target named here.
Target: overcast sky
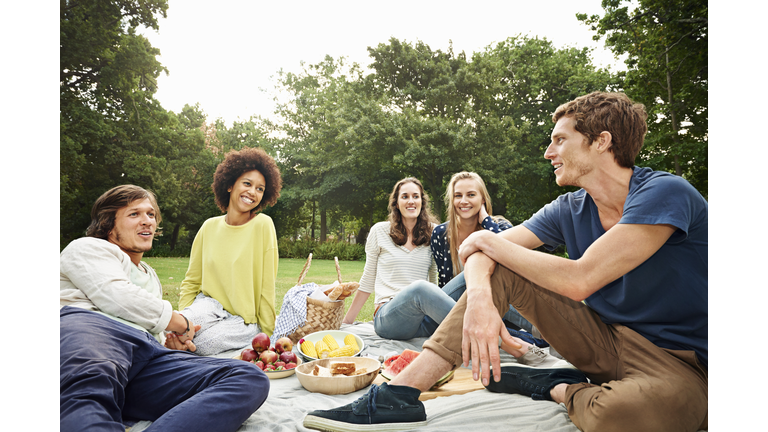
(221, 54)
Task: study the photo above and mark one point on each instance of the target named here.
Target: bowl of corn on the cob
(330, 344)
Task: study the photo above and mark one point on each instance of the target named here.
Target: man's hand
(480, 339)
(182, 342)
(473, 243)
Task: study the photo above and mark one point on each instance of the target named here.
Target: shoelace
(372, 394)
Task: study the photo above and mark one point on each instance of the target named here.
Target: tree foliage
(666, 47)
(344, 134)
(348, 136)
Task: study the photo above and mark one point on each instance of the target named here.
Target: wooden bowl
(339, 335)
(338, 384)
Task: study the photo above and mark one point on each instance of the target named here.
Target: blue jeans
(456, 287)
(110, 372)
(414, 312)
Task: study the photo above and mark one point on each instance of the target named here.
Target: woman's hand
(482, 214)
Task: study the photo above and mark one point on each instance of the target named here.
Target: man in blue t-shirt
(628, 307)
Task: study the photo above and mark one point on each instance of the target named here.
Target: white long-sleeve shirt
(389, 268)
(97, 275)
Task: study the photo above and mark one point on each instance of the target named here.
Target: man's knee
(247, 376)
(615, 407)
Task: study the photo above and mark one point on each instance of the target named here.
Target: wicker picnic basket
(321, 315)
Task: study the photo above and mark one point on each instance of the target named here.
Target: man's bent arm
(614, 254)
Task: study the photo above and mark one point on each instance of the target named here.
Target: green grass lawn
(171, 272)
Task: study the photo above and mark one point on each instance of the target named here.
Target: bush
(328, 250)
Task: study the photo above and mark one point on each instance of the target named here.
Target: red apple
(248, 355)
(260, 342)
(272, 349)
(283, 344)
(268, 357)
(288, 357)
(259, 364)
(290, 365)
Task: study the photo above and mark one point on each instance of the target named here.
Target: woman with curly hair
(400, 270)
(229, 287)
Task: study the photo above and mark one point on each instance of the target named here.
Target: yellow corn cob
(332, 344)
(345, 351)
(350, 340)
(322, 349)
(308, 348)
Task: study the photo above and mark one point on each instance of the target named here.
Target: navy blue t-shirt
(665, 298)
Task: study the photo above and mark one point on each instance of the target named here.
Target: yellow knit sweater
(237, 266)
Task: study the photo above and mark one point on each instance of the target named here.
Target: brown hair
(453, 225)
(238, 162)
(611, 112)
(424, 223)
(106, 206)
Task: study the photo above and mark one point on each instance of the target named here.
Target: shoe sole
(560, 364)
(323, 424)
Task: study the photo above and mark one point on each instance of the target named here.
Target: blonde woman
(469, 206)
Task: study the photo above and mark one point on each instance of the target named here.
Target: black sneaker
(533, 382)
(383, 408)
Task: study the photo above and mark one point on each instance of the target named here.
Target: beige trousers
(635, 385)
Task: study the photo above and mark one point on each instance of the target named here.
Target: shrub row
(302, 248)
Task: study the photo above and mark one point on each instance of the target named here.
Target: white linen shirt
(96, 275)
(390, 268)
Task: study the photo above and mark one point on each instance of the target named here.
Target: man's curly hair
(238, 162)
(612, 112)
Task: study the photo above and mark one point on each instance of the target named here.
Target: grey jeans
(221, 331)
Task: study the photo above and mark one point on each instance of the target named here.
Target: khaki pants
(635, 385)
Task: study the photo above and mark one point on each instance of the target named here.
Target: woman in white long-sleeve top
(400, 270)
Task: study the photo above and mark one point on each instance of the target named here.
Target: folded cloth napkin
(293, 312)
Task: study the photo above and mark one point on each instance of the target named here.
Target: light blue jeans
(414, 312)
(456, 287)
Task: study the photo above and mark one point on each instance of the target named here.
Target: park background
(344, 131)
(32, 112)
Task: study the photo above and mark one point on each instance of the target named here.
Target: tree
(112, 129)
(428, 95)
(335, 147)
(520, 83)
(666, 47)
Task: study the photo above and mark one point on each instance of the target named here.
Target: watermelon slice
(390, 360)
(398, 364)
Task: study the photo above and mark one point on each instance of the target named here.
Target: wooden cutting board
(461, 383)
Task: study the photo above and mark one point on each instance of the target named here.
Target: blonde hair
(453, 218)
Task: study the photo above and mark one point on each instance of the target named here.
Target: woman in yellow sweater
(229, 288)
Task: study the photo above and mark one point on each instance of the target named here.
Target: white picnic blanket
(288, 401)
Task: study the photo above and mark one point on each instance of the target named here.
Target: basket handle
(338, 270)
(305, 269)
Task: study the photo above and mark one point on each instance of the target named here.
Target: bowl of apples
(277, 361)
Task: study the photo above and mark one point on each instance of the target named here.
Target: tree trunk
(314, 211)
(673, 118)
(175, 236)
(323, 225)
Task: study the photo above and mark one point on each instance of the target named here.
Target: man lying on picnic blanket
(637, 246)
(113, 367)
